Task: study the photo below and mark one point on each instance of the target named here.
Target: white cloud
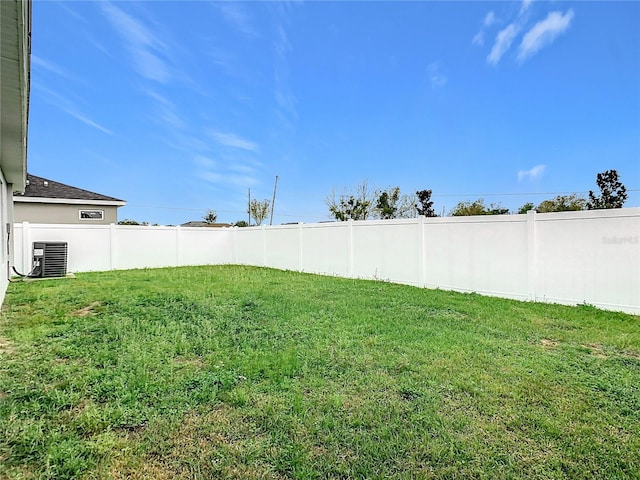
(437, 78)
(525, 6)
(66, 105)
(233, 179)
(504, 38)
(141, 42)
(490, 19)
(284, 96)
(532, 174)
(88, 121)
(478, 39)
(205, 162)
(234, 141)
(50, 66)
(544, 33)
(237, 16)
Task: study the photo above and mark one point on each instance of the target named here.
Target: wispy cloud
(532, 174)
(489, 19)
(525, 6)
(228, 179)
(544, 33)
(478, 39)
(67, 106)
(144, 46)
(285, 99)
(88, 121)
(166, 112)
(503, 42)
(205, 162)
(540, 35)
(237, 16)
(436, 77)
(234, 141)
(38, 62)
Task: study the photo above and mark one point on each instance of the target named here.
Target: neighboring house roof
(205, 224)
(43, 190)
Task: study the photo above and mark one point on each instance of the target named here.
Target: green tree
(526, 207)
(241, 223)
(468, 208)
(497, 209)
(562, 203)
(477, 207)
(210, 217)
(259, 210)
(352, 206)
(613, 193)
(425, 207)
(128, 221)
(387, 205)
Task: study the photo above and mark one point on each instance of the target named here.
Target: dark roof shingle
(39, 187)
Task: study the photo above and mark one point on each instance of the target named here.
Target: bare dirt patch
(630, 354)
(215, 443)
(596, 350)
(5, 345)
(547, 343)
(88, 310)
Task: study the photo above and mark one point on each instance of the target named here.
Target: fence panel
(204, 246)
(387, 251)
(249, 246)
(478, 254)
(145, 247)
(569, 257)
(326, 249)
(89, 246)
(589, 257)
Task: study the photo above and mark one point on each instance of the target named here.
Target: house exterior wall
(34, 212)
(6, 200)
(15, 51)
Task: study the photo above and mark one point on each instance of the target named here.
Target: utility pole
(273, 202)
(249, 207)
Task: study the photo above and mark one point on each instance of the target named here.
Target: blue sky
(180, 107)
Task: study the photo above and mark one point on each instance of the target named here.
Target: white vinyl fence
(568, 257)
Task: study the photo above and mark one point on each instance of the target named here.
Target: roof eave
(15, 55)
(68, 201)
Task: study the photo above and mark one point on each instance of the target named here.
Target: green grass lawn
(242, 372)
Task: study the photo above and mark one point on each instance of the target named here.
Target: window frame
(101, 213)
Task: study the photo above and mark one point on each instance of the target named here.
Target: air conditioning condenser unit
(49, 259)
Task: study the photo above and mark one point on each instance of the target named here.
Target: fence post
(264, 246)
(350, 248)
(300, 249)
(112, 246)
(532, 257)
(234, 247)
(421, 253)
(178, 245)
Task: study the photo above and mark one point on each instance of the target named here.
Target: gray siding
(61, 213)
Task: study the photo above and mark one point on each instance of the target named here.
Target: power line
(512, 194)
(434, 195)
